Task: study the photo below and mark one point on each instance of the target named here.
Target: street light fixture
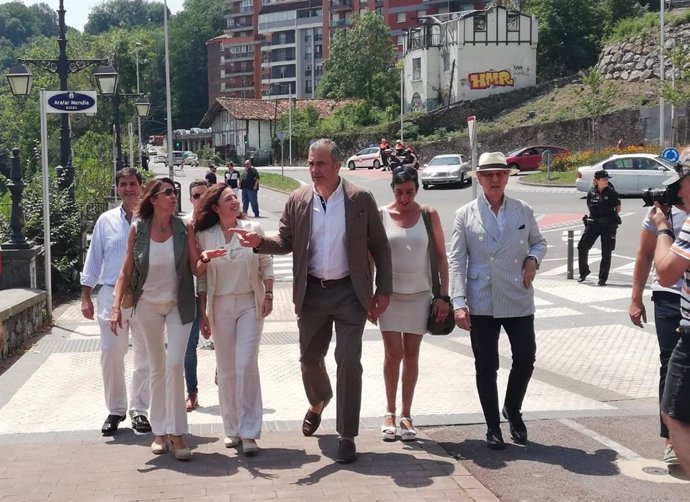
(20, 80)
(143, 107)
(106, 80)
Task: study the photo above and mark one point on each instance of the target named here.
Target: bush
(633, 26)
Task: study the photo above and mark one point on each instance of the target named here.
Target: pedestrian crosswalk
(282, 268)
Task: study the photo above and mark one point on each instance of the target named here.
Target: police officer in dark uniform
(603, 220)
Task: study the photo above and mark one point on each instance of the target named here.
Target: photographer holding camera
(603, 220)
(666, 299)
(672, 262)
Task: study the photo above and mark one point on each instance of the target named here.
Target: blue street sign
(671, 154)
(70, 102)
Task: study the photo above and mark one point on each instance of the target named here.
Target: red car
(529, 158)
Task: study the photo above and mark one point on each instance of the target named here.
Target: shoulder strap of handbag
(433, 259)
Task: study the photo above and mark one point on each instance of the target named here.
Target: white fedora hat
(492, 161)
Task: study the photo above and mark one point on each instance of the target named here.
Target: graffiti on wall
(487, 79)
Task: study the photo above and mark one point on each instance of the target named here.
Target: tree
(596, 97)
(200, 21)
(361, 63)
(570, 34)
(124, 14)
(19, 23)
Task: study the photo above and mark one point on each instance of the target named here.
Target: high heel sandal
(159, 448)
(407, 433)
(183, 453)
(388, 431)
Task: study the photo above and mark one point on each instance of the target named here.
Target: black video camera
(668, 195)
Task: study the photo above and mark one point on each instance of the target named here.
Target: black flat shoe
(494, 439)
(602, 283)
(518, 429)
(111, 423)
(582, 278)
(141, 424)
(347, 451)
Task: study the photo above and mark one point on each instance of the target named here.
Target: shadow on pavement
(599, 463)
(406, 470)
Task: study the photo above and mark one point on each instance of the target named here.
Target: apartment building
(274, 49)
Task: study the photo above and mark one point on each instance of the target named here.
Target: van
(177, 158)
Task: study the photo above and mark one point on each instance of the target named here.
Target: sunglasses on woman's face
(167, 191)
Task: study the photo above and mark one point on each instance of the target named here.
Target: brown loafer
(312, 421)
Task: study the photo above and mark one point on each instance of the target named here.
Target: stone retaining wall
(22, 312)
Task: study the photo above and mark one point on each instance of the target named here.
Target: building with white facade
(467, 56)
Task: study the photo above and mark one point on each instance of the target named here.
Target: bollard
(571, 242)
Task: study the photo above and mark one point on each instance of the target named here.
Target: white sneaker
(231, 441)
(249, 447)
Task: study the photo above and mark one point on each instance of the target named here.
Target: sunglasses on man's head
(167, 191)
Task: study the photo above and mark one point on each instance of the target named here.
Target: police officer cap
(602, 175)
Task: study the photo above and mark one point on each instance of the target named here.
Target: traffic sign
(281, 135)
(671, 154)
(70, 101)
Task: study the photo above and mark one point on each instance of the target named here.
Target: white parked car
(444, 169)
(631, 174)
(369, 157)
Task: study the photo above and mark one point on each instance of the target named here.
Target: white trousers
(113, 351)
(168, 412)
(236, 343)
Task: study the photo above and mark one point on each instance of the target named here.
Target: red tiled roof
(262, 109)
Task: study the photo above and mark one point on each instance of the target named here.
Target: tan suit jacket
(364, 234)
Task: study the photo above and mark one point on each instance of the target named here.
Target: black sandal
(312, 421)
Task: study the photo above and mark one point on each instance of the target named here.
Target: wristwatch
(536, 262)
(269, 295)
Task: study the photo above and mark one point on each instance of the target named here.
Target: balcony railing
(341, 4)
(340, 23)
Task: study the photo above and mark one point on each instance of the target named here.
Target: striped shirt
(106, 253)
(681, 247)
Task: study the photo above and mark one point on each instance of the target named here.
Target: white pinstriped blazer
(485, 265)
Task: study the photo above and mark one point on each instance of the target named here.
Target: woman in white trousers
(235, 290)
(156, 279)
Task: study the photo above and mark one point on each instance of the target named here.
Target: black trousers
(667, 319)
(322, 309)
(484, 336)
(608, 244)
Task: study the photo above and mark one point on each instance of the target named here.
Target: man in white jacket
(495, 253)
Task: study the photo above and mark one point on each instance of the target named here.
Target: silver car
(444, 169)
(631, 174)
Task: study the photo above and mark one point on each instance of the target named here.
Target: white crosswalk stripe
(282, 268)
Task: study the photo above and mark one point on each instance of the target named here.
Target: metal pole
(290, 123)
(130, 130)
(571, 252)
(168, 99)
(116, 120)
(402, 102)
(140, 142)
(66, 174)
(46, 205)
(661, 74)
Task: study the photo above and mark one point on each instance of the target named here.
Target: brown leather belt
(329, 283)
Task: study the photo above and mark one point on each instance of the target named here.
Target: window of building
(222, 86)
(401, 39)
(307, 86)
(480, 22)
(421, 13)
(513, 21)
(417, 69)
(400, 17)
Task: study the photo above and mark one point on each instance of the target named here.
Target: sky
(77, 11)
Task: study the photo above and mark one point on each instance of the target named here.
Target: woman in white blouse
(235, 288)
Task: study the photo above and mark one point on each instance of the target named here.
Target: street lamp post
(142, 107)
(140, 143)
(63, 67)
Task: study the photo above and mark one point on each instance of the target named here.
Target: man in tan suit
(331, 228)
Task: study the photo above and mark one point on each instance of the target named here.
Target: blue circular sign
(671, 154)
(71, 101)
